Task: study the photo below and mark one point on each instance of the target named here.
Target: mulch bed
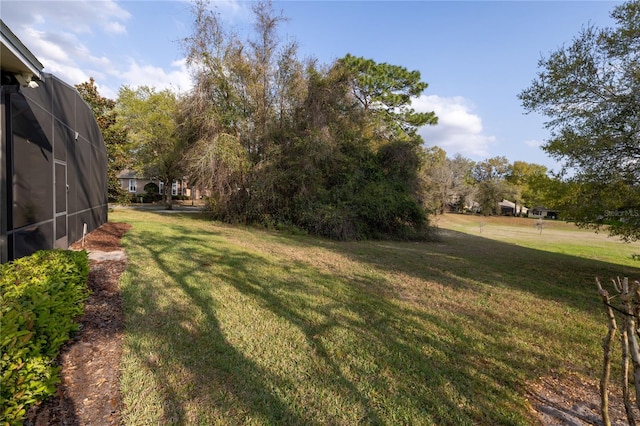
(89, 390)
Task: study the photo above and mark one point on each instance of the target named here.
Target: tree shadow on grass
(209, 368)
(243, 380)
(395, 363)
(416, 374)
(472, 262)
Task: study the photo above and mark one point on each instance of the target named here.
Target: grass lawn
(555, 236)
(233, 325)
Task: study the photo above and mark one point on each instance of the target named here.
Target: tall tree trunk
(168, 202)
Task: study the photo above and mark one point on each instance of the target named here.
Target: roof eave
(16, 58)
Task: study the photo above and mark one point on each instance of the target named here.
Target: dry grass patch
(232, 325)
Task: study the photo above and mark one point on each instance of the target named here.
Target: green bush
(40, 297)
(151, 189)
(332, 222)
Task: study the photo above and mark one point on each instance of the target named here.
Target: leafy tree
(491, 185)
(280, 141)
(436, 179)
(463, 189)
(495, 168)
(341, 180)
(150, 117)
(386, 90)
(236, 115)
(262, 80)
(152, 191)
(214, 115)
(384, 152)
(115, 138)
(529, 181)
(490, 192)
(555, 193)
(589, 91)
(446, 181)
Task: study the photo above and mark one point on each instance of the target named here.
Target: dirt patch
(566, 399)
(89, 390)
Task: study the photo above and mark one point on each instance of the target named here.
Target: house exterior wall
(139, 185)
(178, 187)
(54, 165)
(542, 212)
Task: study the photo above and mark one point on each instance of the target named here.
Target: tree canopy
(115, 138)
(589, 91)
(491, 183)
(331, 149)
(387, 90)
(150, 118)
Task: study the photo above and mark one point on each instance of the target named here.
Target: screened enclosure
(54, 167)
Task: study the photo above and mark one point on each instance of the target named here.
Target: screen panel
(32, 185)
(33, 238)
(61, 187)
(61, 227)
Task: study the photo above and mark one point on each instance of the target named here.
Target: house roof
(128, 174)
(16, 58)
(132, 174)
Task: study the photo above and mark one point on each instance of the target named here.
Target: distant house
(472, 207)
(507, 208)
(543, 212)
(53, 161)
(135, 183)
(510, 208)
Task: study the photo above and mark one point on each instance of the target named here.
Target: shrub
(117, 194)
(332, 222)
(40, 296)
(151, 189)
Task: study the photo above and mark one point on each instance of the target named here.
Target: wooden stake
(606, 346)
(627, 297)
(628, 406)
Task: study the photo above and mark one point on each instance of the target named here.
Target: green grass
(555, 236)
(233, 325)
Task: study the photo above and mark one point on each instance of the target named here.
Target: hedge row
(40, 297)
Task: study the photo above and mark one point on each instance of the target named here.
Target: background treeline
(334, 150)
(461, 185)
(330, 149)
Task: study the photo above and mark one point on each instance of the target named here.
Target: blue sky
(476, 56)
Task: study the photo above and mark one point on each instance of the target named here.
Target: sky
(476, 56)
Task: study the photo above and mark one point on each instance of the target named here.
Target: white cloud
(176, 78)
(60, 33)
(46, 49)
(65, 56)
(534, 143)
(56, 33)
(115, 27)
(459, 130)
(79, 17)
